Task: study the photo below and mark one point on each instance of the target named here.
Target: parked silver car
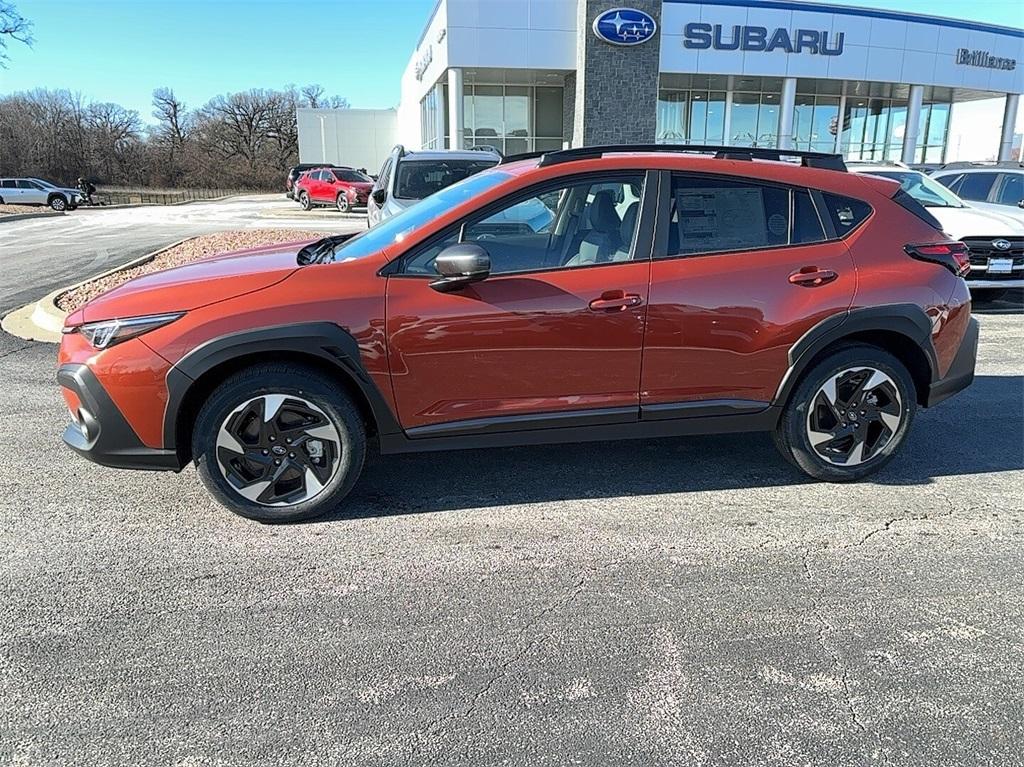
(995, 187)
(407, 177)
(37, 191)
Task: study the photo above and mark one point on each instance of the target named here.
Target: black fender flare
(324, 340)
(908, 320)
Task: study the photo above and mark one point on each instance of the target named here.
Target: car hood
(971, 222)
(195, 284)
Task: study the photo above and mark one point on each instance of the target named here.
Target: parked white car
(37, 191)
(995, 240)
(408, 176)
(997, 188)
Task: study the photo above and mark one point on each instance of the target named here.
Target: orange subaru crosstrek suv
(585, 294)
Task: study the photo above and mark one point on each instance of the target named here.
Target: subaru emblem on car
(625, 26)
(1001, 244)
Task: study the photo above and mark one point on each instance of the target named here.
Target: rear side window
(951, 182)
(807, 226)
(712, 215)
(976, 186)
(846, 213)
(1012, 191)
(904, 200)
(8, 183)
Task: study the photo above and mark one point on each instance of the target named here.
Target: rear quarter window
(846, 213)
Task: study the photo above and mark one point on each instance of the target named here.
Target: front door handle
(812, 277)
(615, 301)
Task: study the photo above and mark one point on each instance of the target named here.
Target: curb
(123, 205)
(26, 216)
(299, 215)
(42, 320)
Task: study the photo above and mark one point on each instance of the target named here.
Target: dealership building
(525, 75)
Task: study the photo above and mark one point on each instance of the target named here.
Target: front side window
(26, 184)
(585, 223)
(976, 186)
(710, 215)
(417, 179)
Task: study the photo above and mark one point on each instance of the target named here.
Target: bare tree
(170, 133)
(313, 95)
(12, 25)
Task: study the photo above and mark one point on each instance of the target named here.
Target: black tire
(792, 435)
(342, 202)
(58, 202)
(987, 295)
(304, 201)
(302, 385)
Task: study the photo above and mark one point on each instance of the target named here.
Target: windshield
(421, 178)
(352, 175)
(44, 182)
(926, 191)
(396, 228)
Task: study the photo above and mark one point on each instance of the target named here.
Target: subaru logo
(625, 26)
(1001, 244)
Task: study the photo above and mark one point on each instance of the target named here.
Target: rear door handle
(615, 301)
(812, 277)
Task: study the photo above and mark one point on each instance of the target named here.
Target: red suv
(587, 294)
(342, 187)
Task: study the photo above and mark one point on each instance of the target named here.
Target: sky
(120, 50)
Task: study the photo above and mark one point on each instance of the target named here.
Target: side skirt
(764, 419)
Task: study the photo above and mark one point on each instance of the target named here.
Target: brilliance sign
(701, 36)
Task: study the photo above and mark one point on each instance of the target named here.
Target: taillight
(952, 255)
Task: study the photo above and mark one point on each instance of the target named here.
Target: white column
(1009, 125)
(439, 116)
(456, 112)
(913, 123)
(786, 107)
(727, 128)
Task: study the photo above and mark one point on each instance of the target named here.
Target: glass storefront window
(513, 118)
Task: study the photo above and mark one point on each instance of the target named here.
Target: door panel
(720, 324)
(516, 344)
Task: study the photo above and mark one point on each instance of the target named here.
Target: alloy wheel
(278, 450)
(854, 415)
(58, 203)
(343, 204)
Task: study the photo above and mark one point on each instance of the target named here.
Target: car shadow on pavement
(978, 431)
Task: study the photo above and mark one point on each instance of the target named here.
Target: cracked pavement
(673, 602)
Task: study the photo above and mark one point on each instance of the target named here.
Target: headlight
(109, 332)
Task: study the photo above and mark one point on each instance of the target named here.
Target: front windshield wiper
(320, 251)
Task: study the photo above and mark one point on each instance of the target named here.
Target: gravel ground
(190, 250)
(673, 602)
(10, 210)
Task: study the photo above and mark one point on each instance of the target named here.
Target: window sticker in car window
(720, 219)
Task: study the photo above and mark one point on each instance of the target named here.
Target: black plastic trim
(324, 340)
(961, 372)
(906, 319)
(103, 435)
(701, 409)
(763, 420)
(528, 421)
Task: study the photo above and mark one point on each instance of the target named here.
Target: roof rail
(524, 156)
(807, 159)
(400, 148)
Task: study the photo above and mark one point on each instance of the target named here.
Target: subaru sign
(625, 26)
(702, 36)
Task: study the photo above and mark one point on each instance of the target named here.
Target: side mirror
(379, 196)
(459, 265)
(1020, 204)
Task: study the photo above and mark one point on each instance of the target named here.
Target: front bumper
(100, 432)
(999, 284)
(961, 372)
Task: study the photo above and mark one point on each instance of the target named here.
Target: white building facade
(539, 74)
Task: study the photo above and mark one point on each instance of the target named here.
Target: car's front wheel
(279, 443)
(344, 206)
(58, 203)
(848, 415)
(304, 200)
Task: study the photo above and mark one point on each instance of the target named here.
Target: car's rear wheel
(304, 200)
(848, 415)
(279, 443)
(342, 202)
(58, 203)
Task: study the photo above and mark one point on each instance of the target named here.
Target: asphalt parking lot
(682, 601)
